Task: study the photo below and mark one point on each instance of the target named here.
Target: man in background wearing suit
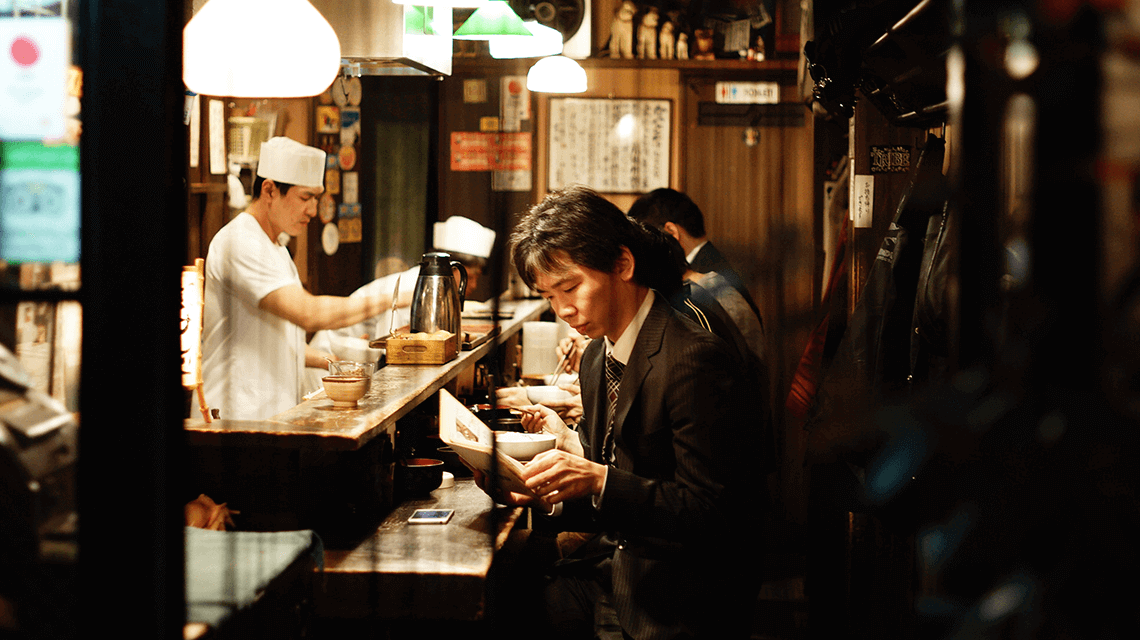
(660, 463)
(680, 217)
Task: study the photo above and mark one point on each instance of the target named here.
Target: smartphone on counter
(431, 516)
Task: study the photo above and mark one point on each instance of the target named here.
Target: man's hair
(669, 205)
(659, 261)
(589, 229)
(281, 186)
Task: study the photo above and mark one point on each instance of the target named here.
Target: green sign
(39, 202)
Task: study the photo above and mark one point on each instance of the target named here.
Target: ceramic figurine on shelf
(621, 31)
(682, 46)
(647, 35)
(665, 41)
(704, 41)
(756, 51)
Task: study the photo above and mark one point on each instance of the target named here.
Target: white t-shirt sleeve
(255, 266)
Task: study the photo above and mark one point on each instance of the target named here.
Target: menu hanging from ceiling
(612, 146)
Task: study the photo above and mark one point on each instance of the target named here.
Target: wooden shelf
(781, 69)
(209, 187)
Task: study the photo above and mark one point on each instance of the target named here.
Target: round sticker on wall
(327, 207)
(330, 239)
(339, 92)
(347, 157)
(354, 90)
(346, 91)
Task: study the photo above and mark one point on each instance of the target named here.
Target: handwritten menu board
(612, 146)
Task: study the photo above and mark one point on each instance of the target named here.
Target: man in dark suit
(661, 461)
(680, 217)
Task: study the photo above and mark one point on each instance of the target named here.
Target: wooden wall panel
(468, 193)
(758, 206)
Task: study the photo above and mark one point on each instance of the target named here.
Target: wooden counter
(430, 571)
(396, 390)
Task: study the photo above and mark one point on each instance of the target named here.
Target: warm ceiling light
(544, 42)
(556, 74)
(259, 49)
(496, 18)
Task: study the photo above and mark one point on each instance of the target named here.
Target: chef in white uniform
(467, 241)
(256, 311)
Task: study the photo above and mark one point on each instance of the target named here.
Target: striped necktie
(614, 369)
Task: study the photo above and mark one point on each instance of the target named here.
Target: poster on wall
(217, 128)
(613, 146)
(351, 187)
(328, 119)
(33, 77)
(470, 151)
(348, 222)
(349, 125)
(514, 99)
(39, 202)
(512, 162)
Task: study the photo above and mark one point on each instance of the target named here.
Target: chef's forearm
(333, 312)
(317, 359)
(315, 313)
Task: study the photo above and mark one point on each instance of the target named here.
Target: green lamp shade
(496, 18)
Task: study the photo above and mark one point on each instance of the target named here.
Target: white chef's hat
(286, 160)
(463, 235)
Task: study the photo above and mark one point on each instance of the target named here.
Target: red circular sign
(25, 52)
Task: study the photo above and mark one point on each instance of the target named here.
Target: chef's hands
(318, 359)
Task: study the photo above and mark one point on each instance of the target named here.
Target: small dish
(345, 390)
(418, 476)
(350, 368)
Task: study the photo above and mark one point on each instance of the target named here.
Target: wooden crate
(430, 349)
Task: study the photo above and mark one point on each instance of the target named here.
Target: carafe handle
(462, 282)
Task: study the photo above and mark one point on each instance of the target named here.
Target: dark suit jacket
(702, 307)
(681, 502)
(709, 258)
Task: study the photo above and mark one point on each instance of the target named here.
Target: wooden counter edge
(287, 431)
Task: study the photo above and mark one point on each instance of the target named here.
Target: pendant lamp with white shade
(259, 49)
(556, 74)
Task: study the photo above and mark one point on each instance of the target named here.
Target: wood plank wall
(758, 210)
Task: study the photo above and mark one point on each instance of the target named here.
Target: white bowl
(523, 446)
(547, 394)
(567, 377)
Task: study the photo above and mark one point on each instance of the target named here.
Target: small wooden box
(439, 348)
